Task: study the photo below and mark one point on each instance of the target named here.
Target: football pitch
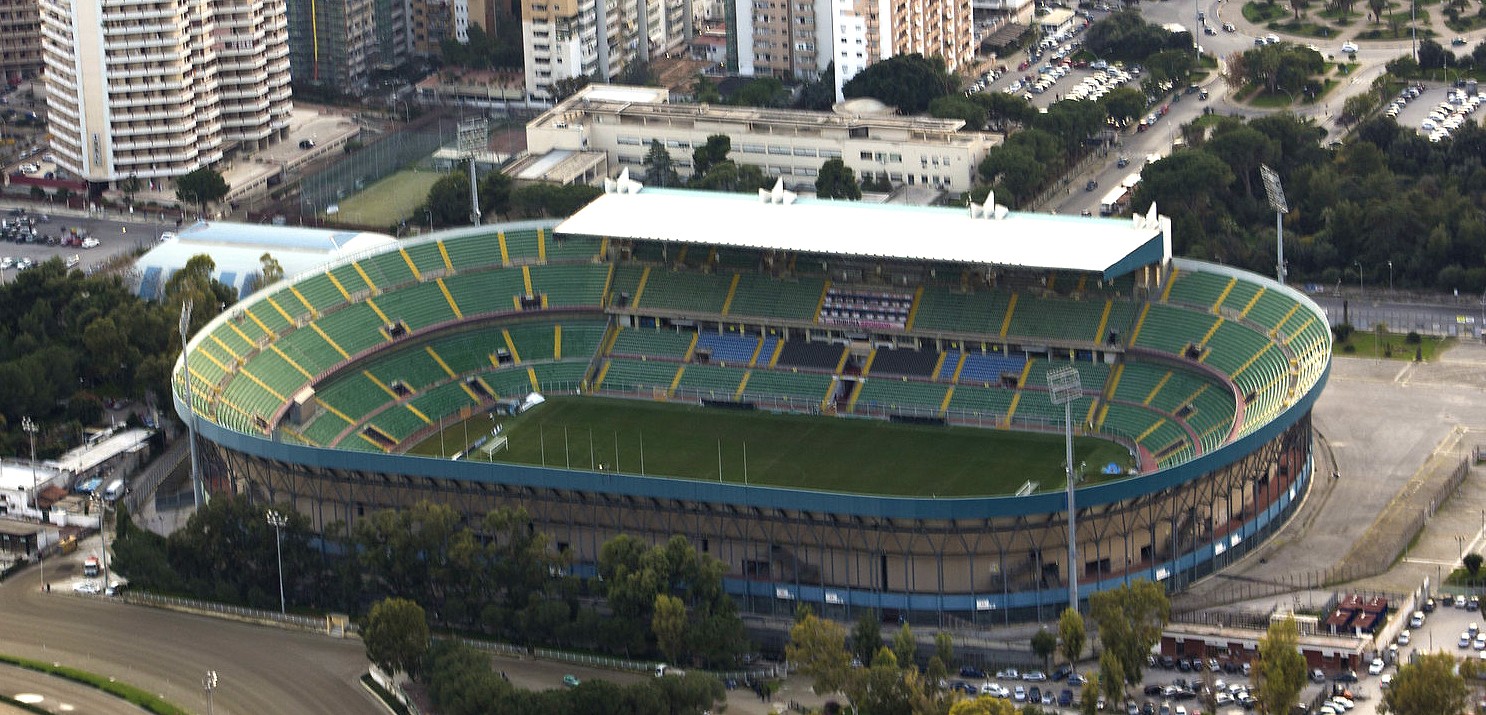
(390, 200)
(797, 451)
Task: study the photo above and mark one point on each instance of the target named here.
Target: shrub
(1412, 338)
(1343, 331)
(1349, 348)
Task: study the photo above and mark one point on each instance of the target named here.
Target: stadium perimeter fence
(372, 163)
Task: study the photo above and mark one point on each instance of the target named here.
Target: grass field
(826, 453)
(390, 200)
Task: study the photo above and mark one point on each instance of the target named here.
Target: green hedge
(150, 702)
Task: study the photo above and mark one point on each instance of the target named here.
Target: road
(1466, 317)
(1372, 56)
(261, 670)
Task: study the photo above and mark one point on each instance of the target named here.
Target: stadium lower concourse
(839, 337)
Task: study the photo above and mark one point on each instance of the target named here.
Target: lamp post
(1390, 277)
(278, 521)
(198, 489)
(1065, 387)
(209, 683)
(429, 214)
(103, 534)
(28, 425)
(1359, 277)
(1275, 191)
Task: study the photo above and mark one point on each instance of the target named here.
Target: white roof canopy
(1110, 247)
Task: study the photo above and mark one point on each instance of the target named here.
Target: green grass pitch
(825, 453)
(390, 200)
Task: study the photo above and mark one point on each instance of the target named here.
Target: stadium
(847, 404)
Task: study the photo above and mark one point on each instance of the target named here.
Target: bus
(1114, 202)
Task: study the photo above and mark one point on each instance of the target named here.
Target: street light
(209, 683)
(1390, 277)
(1275, 192)
(198, 488)
(278, 521)
(28, 425)
(1359, 277)
(103, 533)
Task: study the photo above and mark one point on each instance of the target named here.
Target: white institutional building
(156, 88)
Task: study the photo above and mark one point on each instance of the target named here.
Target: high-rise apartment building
(800, 38)
(20, 39)
(157, 88)
(332, 43)
(564, 39)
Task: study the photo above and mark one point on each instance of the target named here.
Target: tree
(704, 90)
(270, 270)
(1472, 562)
(1111, 676)
(396, 636)
(944, 648)
(1280, 671)
(905, 646)
(669, 624)
(761, 92)
(1088, 696)
(662, 169)
(819, 95)
(202, 186)
(495, 194)
(713, 152)
(1124, 103)
(1044, 644)
(1073, 635)
(908, 82)
(982, 705)
(866, 636)
(1377, 7)
(1428, 686)
(449, 199)
(1130, 619)
(129, 186)
(956, 106)
(569, 86)
(817, 646)
(837, 181)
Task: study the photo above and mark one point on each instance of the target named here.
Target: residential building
(253, 71)
(800, 38)
(393, 39)
(20, 39)
(791, 144)
(564, 39)
(332, 43)
(156, 89)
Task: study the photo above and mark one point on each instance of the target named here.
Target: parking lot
(1436, 98)
(1173, 687)
(115, 233)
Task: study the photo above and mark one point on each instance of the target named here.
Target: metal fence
(368, 165)
(142, 598)
(588, 660)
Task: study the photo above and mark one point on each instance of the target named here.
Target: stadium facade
(309, 392)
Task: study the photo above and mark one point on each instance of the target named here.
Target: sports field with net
(825, 453)
(390, 200)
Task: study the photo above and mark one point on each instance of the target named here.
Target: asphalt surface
(118, 233)
(260, 669)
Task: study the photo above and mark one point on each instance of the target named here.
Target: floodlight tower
(473, 134)
(1276, 193)
(1065, 387)
(198, 488)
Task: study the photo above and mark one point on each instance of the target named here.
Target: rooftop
(652, 103)
(915, 233)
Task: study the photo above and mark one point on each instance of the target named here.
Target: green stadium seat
(685, 291)
(941, 310)
(653, 343)
(762, 297)
(895, 395)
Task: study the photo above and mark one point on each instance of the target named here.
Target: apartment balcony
(138, 15)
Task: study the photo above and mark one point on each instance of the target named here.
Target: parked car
(1349, 47)
(1375, 667)
(571, 681)
(969, 671)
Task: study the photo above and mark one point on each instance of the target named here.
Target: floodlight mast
(1065, 387)
(472, 139)
(1275, 192)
